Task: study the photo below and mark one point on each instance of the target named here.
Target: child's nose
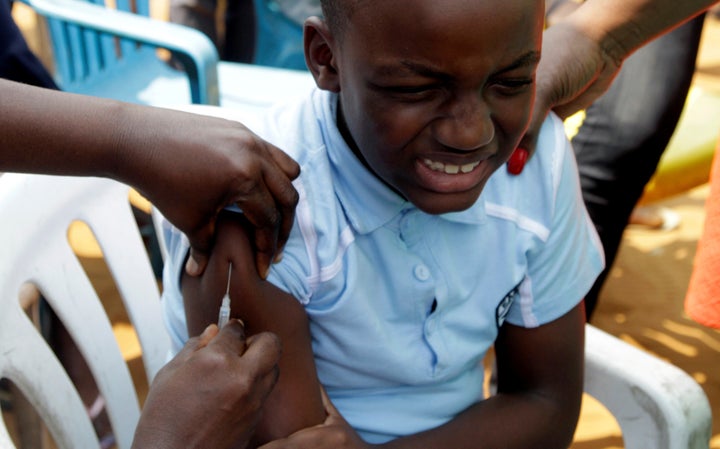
(466, 125)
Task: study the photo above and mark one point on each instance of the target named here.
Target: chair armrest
(656, 404)
(191, 44)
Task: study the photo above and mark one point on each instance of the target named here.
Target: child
(406, 273)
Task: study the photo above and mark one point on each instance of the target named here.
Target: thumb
(330, 409)
(208, 334)
(196, 343)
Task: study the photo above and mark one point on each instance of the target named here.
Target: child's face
(435, 95)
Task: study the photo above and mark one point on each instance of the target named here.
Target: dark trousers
(626, 131)
(17, 62)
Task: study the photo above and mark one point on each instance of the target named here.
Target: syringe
(224, 315)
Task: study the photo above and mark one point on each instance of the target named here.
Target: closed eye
(411, 92)
(513, 86)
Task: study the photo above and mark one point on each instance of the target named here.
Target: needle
(224, 315)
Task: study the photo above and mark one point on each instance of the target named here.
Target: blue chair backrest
(82, 54)
(279, 40)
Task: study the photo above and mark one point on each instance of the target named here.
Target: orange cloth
(702, 302)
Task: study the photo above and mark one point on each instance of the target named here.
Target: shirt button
(422, 272)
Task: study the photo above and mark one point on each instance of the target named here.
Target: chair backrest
(37, 211)
(82, 54)
(111, 52)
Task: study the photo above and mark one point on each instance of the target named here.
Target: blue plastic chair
(111, 53)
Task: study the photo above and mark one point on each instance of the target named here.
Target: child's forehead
(428, 8)
(452, 22)
(366, 16)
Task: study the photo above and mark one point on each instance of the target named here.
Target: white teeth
(450, 169)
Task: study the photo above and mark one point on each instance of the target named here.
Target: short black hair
(337, 13)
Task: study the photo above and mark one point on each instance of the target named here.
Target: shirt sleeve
(564, 267)
(178, 247)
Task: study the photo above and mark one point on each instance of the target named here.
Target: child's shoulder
(295, 126)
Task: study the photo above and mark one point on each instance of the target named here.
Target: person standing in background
(626, 130)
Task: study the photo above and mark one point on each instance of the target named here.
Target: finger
(528, 143)
(516, 163)
(231, 337)
(261, 211)
(208, 334)
(263, 351)
(265, 249)
(308, 438)
(285, 162)
(200, 245)
(195, 344)
(196, 262)
(286, 199)
(327, 403)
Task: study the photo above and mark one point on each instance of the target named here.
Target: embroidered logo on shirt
(503, 308)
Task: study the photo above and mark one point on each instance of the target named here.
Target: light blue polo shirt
(403, 305)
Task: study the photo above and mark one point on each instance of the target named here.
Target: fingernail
(517, 160)
(191, 267)
(209, 329)
(265, 273)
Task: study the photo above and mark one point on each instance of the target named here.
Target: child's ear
(319, 55)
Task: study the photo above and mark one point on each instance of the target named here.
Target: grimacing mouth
(450, 169)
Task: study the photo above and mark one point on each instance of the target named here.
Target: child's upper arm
(295, 402)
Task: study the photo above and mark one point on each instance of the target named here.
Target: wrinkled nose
(466, 124)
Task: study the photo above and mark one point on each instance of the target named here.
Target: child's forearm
(507, 422)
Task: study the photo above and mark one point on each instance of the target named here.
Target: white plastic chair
(37, 211)
(657, 405)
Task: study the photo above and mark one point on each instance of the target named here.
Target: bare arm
(295, 403)
(615, 28)
(189, 166)
(583, 52)
(621, 26)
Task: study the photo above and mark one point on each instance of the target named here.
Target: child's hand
(334, 433)
(211, 394)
